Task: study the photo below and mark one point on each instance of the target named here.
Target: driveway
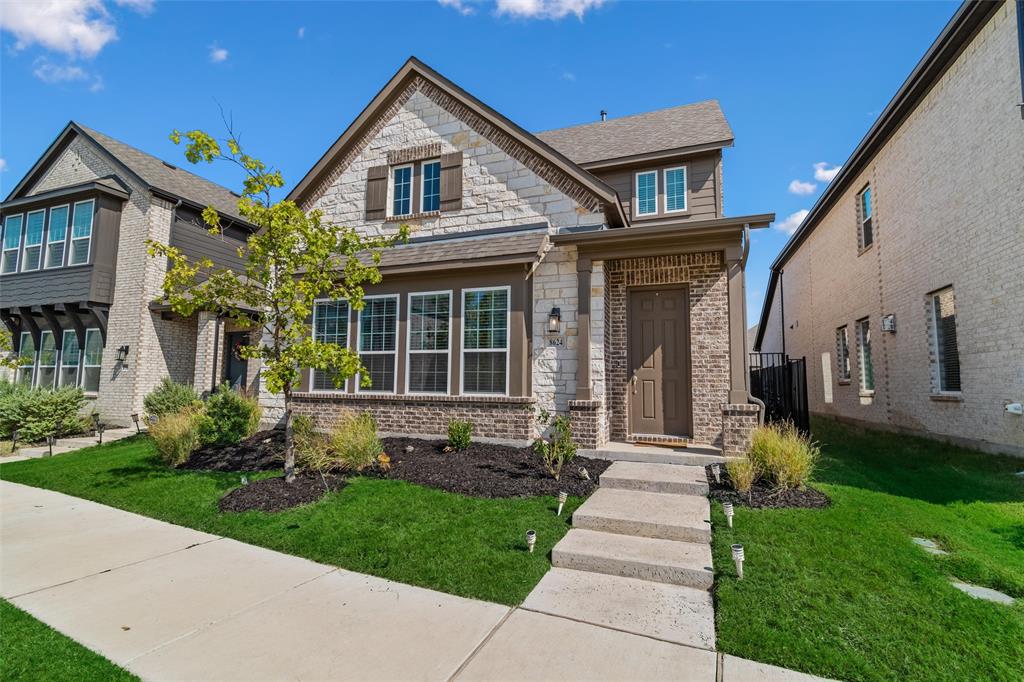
(170, 603)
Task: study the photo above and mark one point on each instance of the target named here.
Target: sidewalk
(170, 603)
(69, 444)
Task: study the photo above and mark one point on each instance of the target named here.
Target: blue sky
(799, 82)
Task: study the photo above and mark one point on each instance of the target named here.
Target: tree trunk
(289, 438)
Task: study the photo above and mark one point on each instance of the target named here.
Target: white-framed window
(485, 314)
(92, 361)
(81, 232)
(378, 342)
(26, 352)
(46, 374)
(70, 355)
(842, 354)
(675, 189)
(32, 253)
(12, 243)
(330, 325)
(945, 350)
(867, 370)
(430, 186)
(401, 190)
(427, 366)
(866, 231)
(56, 236)
(646, 194)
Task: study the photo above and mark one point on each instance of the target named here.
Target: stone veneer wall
(738, 423)
(499, 417)
(709, 335)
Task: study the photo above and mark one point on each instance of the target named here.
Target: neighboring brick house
(903, 286)
(588, 271)
(78, 291)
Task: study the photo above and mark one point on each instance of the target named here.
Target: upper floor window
(843, 354)
(330, 325)
(429, 316)
(646, 193)
(31, 257)
(675, 189)
(12, 243)
(945, 350)
(867, 370)
(401, 190)
(378, 332)
(485, 340)
(56, 235)
(865, 229)
(430, 190)
(81, 233)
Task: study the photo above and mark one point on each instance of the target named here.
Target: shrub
(742, 472)
(783, 454)
(460, 434)
(560, 450)
(176, 436)
(354, 441)
(312, 450)
(170, 397)
(229, 417)
(40, 412)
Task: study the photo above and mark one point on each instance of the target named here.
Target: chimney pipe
(604, 115)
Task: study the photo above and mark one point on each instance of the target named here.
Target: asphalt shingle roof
(525, 245)
(168, 177)
(654, 131)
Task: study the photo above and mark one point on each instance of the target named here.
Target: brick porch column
(209, 337)
(737, 329)
(584, 387)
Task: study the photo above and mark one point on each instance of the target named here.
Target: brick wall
(586, 418)
(738, 423)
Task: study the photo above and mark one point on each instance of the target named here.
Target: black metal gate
(782, 384)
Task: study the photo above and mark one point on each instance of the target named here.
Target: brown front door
(659, 361)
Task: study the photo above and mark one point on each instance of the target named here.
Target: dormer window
(675, 189)
(647, 193)
(401, 190)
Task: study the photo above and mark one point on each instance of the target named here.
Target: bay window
(485, 314)
(330, 325)
(427, 365)
(378, 348)
(81, 233)
(46, 375)
(69, 357)
(12, 243)
(32, 256)
(56, 236)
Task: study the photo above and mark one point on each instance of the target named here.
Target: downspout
(782, 308)
(746, 375)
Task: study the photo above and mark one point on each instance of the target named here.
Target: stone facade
(948, 201)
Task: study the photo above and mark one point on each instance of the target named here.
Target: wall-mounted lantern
(122, 353)
(555, 321)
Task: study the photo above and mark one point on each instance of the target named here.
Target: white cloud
(823, 173)
(460, 6)
(568, 76)
(77, 28)
(3, 164)
(792, 222)
(49, 72)
(302, 32)
(140, 6)
(218, 54)
(802, 188)
(546, 9)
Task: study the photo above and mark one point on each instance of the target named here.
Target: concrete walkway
(170, 603)
(65, 445)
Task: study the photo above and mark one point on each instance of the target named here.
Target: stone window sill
(844, 382)
(946, 397)
(413, 216)
(866, 394)
(862, 251)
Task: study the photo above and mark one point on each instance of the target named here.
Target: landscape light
(100, 428)
(135, 418)
(562, 497)
(737, 556)
(531, 539)
(50, 440)
(727, 508)
(716, 469)
(14, 439)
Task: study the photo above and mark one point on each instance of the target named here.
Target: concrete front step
(629, 452)
(653, 515)
(656, 478)
(673, 613)
(663, 561)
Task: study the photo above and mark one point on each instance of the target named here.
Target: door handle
(632, 383)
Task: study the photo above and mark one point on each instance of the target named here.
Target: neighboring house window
(69, 357)
(401, 190)
(867, 371)
(81, 233)
(431, 188)
(330, 325)
(27, 354)
(675, 190)
(12, 244)
(56, 236)
(946, 351)
(843, 354)
(485, 340)
(46, 376)
(92, 361)
(647, 193)
(429, 315)
(32, 256)
(378, 323)
(866, 231)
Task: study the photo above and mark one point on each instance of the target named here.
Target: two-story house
(587, 271)
(78, 291)
(903, 286)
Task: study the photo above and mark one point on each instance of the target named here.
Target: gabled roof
(678, 129)
(144, 168)
(413, 69)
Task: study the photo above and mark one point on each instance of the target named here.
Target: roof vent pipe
(604, 116)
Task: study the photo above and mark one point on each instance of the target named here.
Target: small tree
(292, 259)
(8, 358)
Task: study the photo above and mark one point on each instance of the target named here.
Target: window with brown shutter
(376, 192)
(451, 181)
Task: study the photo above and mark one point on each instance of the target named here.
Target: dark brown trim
(71, 311)
(658, 157)
(49, 314)
(663, 228)
(64, 194)
(28, 319)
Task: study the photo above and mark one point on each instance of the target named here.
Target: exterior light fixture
(96, 422)
(100, 428)
(562, 497)
(14, 439)
(583, 474)
(555, 320)
(737, 556)
(135, 418)
(50, 440)
(122, 353)
(727, 508)
(716, 469)
(531, 539)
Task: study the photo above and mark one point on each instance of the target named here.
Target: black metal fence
(781, 383)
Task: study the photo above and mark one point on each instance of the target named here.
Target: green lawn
(842, 592)
(31, 650)
(461, 545)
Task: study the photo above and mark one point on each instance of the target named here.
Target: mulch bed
(486, 470)
(765, 496)
(273, 494)
(262, 451)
